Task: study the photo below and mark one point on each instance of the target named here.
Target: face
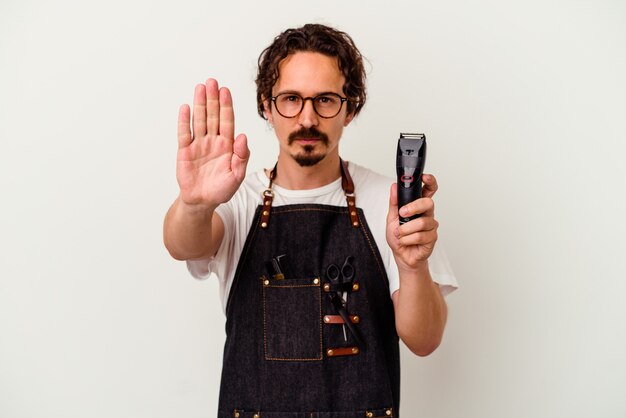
(308, 138)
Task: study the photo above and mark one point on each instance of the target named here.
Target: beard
(308, 157)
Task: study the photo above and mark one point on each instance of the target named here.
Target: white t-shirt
(372, 195)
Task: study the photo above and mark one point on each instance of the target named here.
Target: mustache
(306, 133)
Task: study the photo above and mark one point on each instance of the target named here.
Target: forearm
(188, 231)
(421, 311)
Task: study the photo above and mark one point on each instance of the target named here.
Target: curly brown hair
(313, 38)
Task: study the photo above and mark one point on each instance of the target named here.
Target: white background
(524, 107)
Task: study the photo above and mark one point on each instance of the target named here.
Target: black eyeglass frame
(312, 99)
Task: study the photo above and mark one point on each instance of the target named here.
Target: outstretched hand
(413, 242)
(211, 163)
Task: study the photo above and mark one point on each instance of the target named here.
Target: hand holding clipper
(410, 161)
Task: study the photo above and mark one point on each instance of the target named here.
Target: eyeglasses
(327, 105)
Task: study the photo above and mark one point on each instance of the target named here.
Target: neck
(290, 175)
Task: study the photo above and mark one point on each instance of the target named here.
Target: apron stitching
(383, 274)
(320, 321)
(380, 269)
(291, 286)
(264, 325)
(311, 210)
(241, 261)
(293, 359)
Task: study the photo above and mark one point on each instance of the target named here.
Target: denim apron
(288, 353)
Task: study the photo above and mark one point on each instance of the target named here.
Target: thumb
(241, 154)
(392, 215)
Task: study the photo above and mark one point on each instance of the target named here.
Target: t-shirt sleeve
(224, 263)
(441, 271)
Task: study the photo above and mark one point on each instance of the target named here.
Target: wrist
(418, 269)
(417, 275)
(196, 209)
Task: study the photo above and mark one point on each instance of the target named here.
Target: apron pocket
(292, 319)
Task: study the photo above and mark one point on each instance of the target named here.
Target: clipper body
(410, 161)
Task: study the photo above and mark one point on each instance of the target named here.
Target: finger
(392, 214)
(212, 107)
(241, 154)
(199, 111)
(227, 116)
(430, 185)
(424, 205)
(425, 223)
(184, 132)
(419, 238)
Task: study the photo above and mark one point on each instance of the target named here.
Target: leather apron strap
(346, 184)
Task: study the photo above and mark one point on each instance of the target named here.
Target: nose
(308, 117)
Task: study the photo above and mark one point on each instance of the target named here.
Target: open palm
(211, 163)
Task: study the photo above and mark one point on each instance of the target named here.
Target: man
(317, 286)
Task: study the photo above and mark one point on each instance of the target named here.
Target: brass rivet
(326, 287)
(330, 353)
(265, 213)
(388, 412)
(355, 223)
(353, 213)
(316, 281)
(264, 225)
(326, 319)
(369, 414)
(355, 350)
(266, 282)
(356, 319)
(255, 416)
(267, 202)
(351, 203)
(236, 414)
(355, 286)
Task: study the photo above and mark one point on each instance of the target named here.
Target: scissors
(342, 280)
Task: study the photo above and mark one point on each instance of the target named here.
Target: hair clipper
(410, 161)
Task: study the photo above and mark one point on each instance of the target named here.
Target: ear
(267, 111)
(349, 118)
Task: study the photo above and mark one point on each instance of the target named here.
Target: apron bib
(305, 271)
